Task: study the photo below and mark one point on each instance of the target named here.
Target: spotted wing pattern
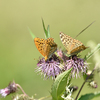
(72, 46)
(46, 46)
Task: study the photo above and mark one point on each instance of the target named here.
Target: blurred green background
(18, 54)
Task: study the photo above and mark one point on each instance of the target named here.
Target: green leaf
(59, 85)
(89, 96)
(45, 31)
(33, 36)
(92, 52)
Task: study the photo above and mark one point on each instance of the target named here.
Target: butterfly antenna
(84, 29)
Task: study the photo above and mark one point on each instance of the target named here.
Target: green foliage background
(18, 54)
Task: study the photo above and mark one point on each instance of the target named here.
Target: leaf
(33, 36)
(45, 31)
(59, 85)
(92, 52)
(89, 96)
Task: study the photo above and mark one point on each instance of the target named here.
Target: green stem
(44, 97)
(84, 83)
(21, 89)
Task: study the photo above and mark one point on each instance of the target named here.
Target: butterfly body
(72, 46)
(46, 46)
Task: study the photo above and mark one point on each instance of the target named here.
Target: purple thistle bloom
(62, 55)
(4, 92)
(49, 67)
(78, 65)
(10, 89)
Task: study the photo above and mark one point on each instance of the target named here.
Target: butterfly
(45, 46)
(72, 46)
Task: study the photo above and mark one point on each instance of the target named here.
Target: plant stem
(84, 83)
(21, 89)
(44, 97)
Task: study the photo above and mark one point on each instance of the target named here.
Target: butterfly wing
(72, 46)
(51, 47)
(40, 44)
(45, 47)
(77, 47)
(66, 41)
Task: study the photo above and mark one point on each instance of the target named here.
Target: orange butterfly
(72, 46)
(46, 46)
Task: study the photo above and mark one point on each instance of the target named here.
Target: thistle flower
(10, 89)
(68, 94)
(49, 67)
(78, 65)
(61, 54)
(93, 84)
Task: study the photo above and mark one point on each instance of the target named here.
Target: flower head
(61, 54)
(68, 94)
(49, 67)
(93, 84)
(77, 64)
(10, 89)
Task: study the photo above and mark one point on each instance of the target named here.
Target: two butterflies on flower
(47, 46)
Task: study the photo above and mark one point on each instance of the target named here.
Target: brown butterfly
(72, 46)
(46, 46)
